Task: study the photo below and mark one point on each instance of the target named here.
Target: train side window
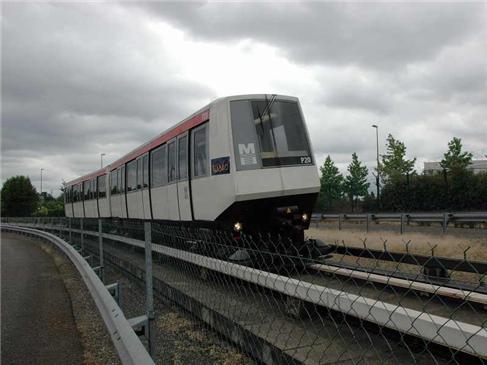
(183, 158)
(119, 181)
(122, 174)
(139, 173)
(132, 175)
(113, 182)
(94, 188)
(102, 189)
(145, 164)
(171, 162)
(86, 190)
(200, 152)
(158, 167)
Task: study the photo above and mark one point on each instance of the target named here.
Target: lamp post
(41, 181)
(377, 180)
(101, 159)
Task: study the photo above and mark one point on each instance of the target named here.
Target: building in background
(476, 166)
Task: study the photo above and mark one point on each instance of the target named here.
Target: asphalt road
(37, 322)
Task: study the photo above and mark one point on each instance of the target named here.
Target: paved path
(37, 321)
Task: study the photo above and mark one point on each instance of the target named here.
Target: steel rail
(439, 290)
(130, 349)
(454, 334)
(477, 267)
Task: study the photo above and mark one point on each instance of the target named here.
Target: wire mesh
(345, 305)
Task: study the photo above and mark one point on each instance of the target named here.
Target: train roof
(198, 117)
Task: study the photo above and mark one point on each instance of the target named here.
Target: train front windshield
(281, 133)
(269, 133)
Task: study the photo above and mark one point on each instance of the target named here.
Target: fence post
(339, 222)
(82, 240)
(69, 231)
(149, 299)
(445, 222)
(100, 244)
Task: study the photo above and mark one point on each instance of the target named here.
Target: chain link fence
(350, 305)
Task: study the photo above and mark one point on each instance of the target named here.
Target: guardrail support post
(82, 239)
(402, 223)
(445, 222)
(339, 222)
(100, 245)
(367, 221)
(115, 290)
(69, 231)
(149, 298)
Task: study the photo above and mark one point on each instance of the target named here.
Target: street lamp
(41, 180)
(377, 180)
(101, 159)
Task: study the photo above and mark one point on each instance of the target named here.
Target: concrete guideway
(37, 319)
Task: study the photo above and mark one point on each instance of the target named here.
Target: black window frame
(175, 162)
(113, 185)
(203, 127)
(145, 171)
(102, 187)
(139, 173)
(158, 155)
(129, 166)
(182, 137)
(122, 180)
(86, 190)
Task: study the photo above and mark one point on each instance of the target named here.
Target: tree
(455, 160)
(50, 206)
(19, 197)
(395, 166)
(331, 184)
(356, 184)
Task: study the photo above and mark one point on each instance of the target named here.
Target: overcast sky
(82, 79)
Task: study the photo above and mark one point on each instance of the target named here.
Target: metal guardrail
(404, 218)
(130, 349)
(444, 331)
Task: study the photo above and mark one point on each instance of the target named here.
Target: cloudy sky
(82, 79)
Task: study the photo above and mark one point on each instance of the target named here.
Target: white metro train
(240, 163)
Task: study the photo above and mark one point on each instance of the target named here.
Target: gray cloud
(79, 81)
(372, 35)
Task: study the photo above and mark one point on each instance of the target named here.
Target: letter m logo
(248, 149)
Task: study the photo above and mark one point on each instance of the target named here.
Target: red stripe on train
(181, 128)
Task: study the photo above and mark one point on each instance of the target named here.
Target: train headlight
(237, 227)
(304, 217)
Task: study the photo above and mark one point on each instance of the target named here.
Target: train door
(183, 180)
(145, 187)
(120, 195)
(172, 181)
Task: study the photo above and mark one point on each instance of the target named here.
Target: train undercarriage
(264, 233)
